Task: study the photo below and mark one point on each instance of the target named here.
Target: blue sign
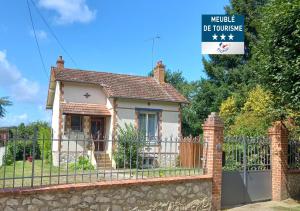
(222, 34)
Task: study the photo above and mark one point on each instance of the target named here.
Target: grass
(20, 174)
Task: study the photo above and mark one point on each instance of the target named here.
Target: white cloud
(13, 120)
(22, 117)
(20, 88)
(41, 34)
(69, 11)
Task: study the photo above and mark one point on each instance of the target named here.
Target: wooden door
(97, 130)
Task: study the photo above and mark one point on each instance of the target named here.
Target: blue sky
(104, 35)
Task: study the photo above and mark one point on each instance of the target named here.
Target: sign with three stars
(222, 34)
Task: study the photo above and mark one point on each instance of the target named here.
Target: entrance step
(103, 160)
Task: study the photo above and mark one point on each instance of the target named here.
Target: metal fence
(246, 153)
(40, 161)
(294, 154)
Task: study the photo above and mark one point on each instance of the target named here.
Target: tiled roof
(84, 109)
(124, 86)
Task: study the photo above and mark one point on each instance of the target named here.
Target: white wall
(170, 112)
(2, 154)
(55, 111)
(73, 92)
(55, 122)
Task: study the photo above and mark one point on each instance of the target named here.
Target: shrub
(129, 142)
(83, 163)
(18, 147)
(44, 142)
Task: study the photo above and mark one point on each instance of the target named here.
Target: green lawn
(50, 175)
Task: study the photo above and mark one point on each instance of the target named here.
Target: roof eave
(151, 99)
(51, 90)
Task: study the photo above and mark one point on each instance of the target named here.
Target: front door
(97, 129)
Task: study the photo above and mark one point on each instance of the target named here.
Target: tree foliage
(277, 54)
(4, 102)
(239, 85)
(22, 143)
(253, 117)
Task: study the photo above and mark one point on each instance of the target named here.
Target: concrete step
(103, 160)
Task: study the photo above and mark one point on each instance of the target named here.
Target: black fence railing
(246, 154)
(41, 161)
(294, 154)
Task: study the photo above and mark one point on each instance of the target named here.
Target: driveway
(286, 205)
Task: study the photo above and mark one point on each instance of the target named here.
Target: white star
(230, 37)
(215, 37)
(222, 37)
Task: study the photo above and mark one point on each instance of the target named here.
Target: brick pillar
(278, 134)
(213, 133)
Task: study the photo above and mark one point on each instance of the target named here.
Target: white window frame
(156, 122)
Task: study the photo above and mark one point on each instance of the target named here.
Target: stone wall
(188, 193)
(294, 184)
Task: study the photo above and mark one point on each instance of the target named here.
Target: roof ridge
(95, 71)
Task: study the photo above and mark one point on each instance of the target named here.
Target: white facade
(123, 111)
(55, 112)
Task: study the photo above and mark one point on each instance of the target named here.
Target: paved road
(286, 205)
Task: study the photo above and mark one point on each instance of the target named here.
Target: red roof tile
(84, 109)
(124, 86)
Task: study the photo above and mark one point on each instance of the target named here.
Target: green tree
(228, 111)
(277, 54)
(4, 102)
(23, 136)
(44, 140)
(228, 75)
(253, 118)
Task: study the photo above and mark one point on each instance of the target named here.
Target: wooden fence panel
(191, 152)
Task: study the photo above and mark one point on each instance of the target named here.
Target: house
(4, 133)
(92, 105)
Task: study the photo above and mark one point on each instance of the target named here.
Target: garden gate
(246, 175)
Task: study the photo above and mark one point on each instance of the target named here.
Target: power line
(52, 33)
(36, 40)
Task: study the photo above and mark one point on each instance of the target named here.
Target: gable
(84, 93)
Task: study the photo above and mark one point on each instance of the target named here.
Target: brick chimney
(60, 63)
(159, 72)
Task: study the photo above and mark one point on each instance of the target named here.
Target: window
(148, 124)
(76, 123)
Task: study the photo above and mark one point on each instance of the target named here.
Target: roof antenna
(153, 39)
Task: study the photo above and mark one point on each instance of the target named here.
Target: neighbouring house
(92, 105)
(4, 133)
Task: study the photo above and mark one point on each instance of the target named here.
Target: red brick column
(213, 134)
(278, 134)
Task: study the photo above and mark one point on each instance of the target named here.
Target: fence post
(34, 142)
(278, 134)
(213, 137)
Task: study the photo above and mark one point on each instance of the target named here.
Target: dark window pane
(76, 123)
